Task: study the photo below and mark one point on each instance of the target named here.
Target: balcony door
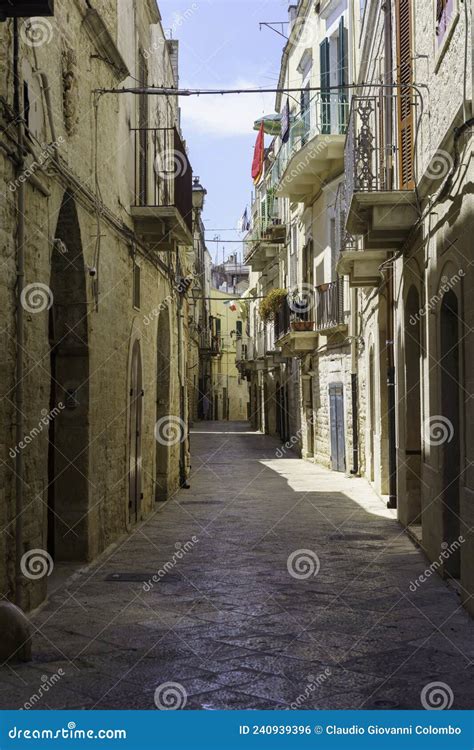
(143, 130)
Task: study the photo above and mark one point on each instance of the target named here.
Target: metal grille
(163, 174)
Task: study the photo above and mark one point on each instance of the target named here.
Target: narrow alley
(270, 583)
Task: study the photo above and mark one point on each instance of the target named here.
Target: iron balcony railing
(372, 160)
(326, 114)
(344, 240)
(244, 349)
(209, 343)
(163, 173)
(293, 312)
(330, 305)
(270, 231)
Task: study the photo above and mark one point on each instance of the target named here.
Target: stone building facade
(382, 204)
(97, 215)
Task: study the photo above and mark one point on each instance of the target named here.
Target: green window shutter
(325, 84)
(342, 76)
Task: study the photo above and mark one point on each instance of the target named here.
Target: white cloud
(229, 115)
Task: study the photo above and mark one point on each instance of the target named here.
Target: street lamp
(199, 194)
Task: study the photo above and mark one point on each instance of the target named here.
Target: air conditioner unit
(25, 8)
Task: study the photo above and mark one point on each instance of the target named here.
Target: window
(446, 15)
(136, 286)
(239, 329)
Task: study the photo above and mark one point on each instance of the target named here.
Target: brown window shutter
(405, 95)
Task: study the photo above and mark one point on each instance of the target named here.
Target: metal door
(336, 410)
(135, 447)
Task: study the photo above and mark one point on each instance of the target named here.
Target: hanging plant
(270, 304)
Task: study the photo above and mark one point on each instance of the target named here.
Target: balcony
(315, 148)
(381, 200)
(245, 355)
(330, 313)
(294, 327)
(163, 206)
(264, 243)
(210, 345)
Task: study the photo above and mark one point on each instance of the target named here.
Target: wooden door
(336, 412)
(135, 446)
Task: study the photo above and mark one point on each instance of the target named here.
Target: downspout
(183, 483)
(354, 383)
(20, 283)
(388, 80)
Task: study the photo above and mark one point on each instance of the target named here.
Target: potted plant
(302, 325)
(271, 303)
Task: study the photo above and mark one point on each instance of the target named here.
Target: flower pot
(302, 325)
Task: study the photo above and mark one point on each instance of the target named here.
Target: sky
(221, 46)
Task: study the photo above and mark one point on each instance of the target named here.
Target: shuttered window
(342, 76)
(325, 87)
(405, 95)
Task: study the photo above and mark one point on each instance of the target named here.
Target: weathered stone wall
(95, 158)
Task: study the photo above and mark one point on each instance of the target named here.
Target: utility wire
(162, 91)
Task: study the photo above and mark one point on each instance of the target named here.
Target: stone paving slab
(230, 621)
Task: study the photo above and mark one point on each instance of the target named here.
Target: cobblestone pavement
(229, 624)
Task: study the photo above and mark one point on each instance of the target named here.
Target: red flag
(258, 155)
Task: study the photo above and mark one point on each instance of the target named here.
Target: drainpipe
(390, 326)
(181, 380)
(354, 383)
(20, 274)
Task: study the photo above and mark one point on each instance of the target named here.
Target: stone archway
(68, 449)
(412, 407)
(163, 403)
(450, 364)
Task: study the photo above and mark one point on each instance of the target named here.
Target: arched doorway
(68, 448)
(135, 434)
(450, 408)
(163, 402)
(412, 407)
